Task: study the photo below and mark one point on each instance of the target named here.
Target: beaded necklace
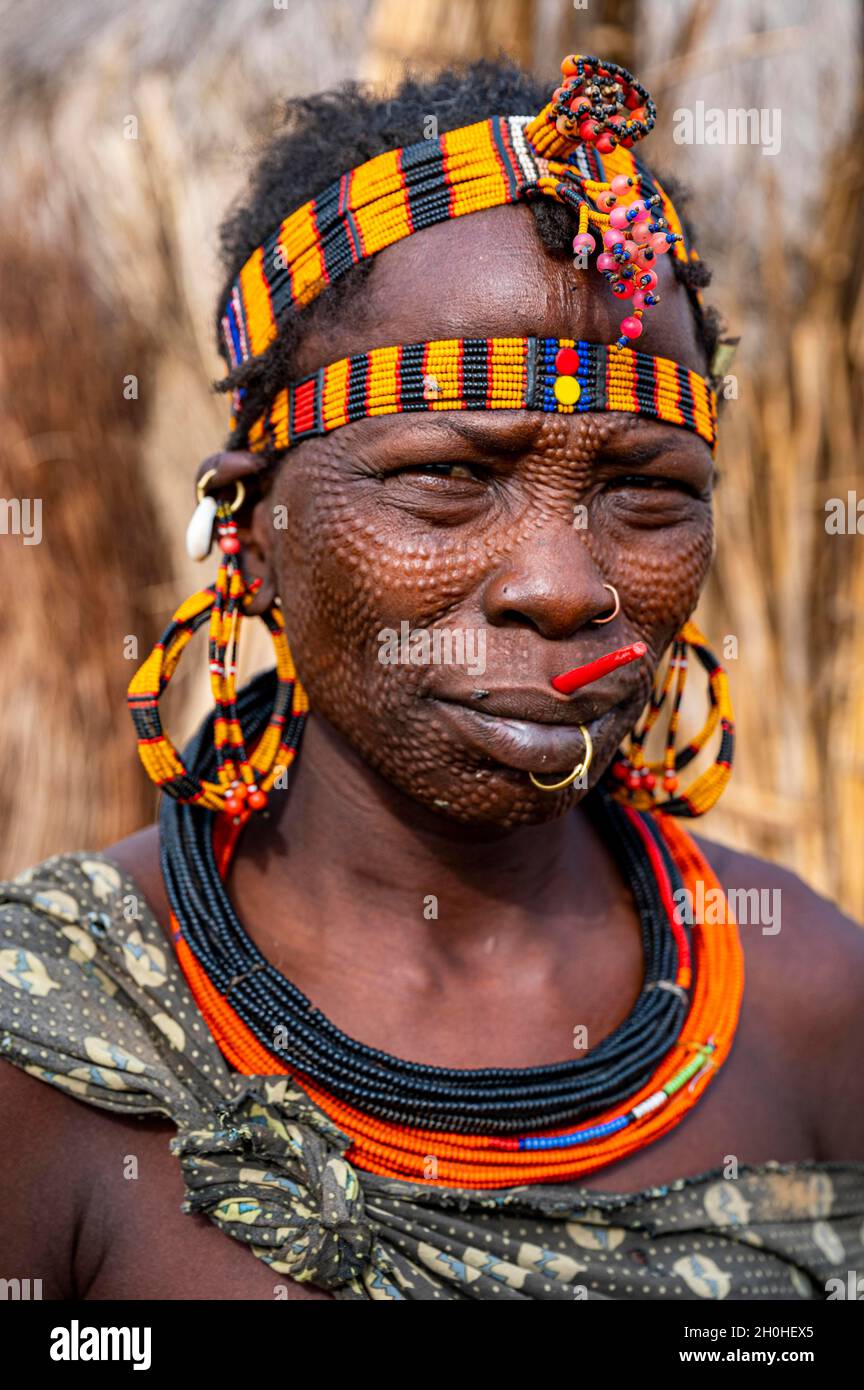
(487, 1127)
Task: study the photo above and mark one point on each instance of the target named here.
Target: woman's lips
(549, 741)
(517, 743)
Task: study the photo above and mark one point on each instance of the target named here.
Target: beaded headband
(545, 374)
(577, 151)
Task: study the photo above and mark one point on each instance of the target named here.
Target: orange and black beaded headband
(545, 374)
(577, 151)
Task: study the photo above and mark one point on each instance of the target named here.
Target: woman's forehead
(489, 274)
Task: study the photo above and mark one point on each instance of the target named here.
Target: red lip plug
(569, 681)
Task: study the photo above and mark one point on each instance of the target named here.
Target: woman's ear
(253, 518)
(255, 530)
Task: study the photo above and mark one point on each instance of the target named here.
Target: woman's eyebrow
(506, 433)
(632, 451)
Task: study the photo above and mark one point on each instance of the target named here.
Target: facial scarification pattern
(365, 547)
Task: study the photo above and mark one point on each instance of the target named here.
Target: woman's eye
(651, 483)
(641, 480)
(457, 472)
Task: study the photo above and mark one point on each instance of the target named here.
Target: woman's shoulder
(137, 856)
(804, 977)
(779, 913)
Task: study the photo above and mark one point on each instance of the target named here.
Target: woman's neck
(355, 847)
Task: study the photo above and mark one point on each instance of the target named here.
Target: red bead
(670, 782)
(566, 361)
(619, 772)
(230, 545)
(257, 799)
(649, 781)
(233, 806)
(239, 791)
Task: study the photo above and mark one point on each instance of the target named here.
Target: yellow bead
(567, 390)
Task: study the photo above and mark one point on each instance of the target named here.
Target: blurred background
(129, 128)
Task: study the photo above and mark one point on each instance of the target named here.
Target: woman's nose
(549, 583)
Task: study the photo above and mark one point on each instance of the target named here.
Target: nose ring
(598, 622)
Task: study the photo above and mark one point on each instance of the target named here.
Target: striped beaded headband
(577, 151)
(543, 374)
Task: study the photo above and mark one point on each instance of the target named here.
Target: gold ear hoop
(598, 622)
(578, 771)
(239, 493)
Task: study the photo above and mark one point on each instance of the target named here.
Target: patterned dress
(93, 1001)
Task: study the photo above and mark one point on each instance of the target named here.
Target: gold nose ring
(598, 622)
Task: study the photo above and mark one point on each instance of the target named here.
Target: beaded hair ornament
(577, 151)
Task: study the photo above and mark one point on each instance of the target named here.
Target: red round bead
(257, 799)
(233, 806)
(230, 545)
(566, 361)
(670, 782)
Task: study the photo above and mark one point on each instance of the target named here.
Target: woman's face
(498, 529)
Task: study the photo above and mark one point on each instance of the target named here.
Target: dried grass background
(108, 269)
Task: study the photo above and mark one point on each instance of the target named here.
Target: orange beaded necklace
(482, 1161)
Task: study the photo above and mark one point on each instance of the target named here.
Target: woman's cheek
(659, 573)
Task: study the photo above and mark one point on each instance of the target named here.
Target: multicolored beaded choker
(492, 1127)
(576, 151)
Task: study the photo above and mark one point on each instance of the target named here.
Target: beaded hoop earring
(637, 780)
(243, 781)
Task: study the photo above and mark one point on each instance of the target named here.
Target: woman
(533, 1064)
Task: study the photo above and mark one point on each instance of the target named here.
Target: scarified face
(501, 523)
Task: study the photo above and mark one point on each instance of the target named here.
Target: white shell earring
(199, 532)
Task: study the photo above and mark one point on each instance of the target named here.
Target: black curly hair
(325, 134)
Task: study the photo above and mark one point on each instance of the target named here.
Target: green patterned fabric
(93, 1001)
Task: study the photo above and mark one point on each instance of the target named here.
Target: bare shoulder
(138, 856)
(804, 981)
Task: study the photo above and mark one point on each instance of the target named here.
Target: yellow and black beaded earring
(243, 779)
(637, 781)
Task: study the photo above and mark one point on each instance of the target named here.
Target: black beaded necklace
(489, 1100)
